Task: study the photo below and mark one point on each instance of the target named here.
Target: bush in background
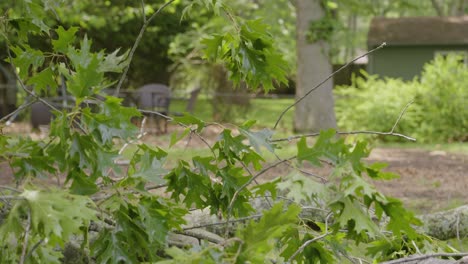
(438, 114)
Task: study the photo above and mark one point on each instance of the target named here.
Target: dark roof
(418, 31)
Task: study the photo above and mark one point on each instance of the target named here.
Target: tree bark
(316, 111)
(448, 224)
(437, 8)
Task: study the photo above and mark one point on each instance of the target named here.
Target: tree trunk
(316, 111)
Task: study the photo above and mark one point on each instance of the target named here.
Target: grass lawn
(265, 111)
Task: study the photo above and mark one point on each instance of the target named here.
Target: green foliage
(249, 55)
(437, 114)
(260, 238)
(51, 216)
(323, 29)
(117, 216)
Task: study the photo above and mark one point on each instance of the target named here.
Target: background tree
(315, 111)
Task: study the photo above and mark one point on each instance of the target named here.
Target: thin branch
(137, 42)
(154, 187)
(224, 222)
(234, 197)
(255, 181)
(143, 11)
(11, 197)
(401, 115)
(140, 135)
(291, 165)
(9, 188)
(26, 238)
(168, 118)
(308, 242)
(346, 133)
(389, 133)
(19, 109)
(435, 255)
(24, 86)
(34, 248)
(200, 235)
(324, 81)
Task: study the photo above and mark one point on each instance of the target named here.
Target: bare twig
(234, 197)
(9, 188)
(308, 242)
(435, 255)
(200, 235)
(154, 187)
(255, 181)
(224, 222)
(143, 11)
(26, 238)
(11, 197)
(168, 118)
(324, 81)
(140, 135)
(347, 133)
(34, 248)
(389, 133)
(291, 165)
(19, 109)
(15, 71)
(137, 42)
(401, 115)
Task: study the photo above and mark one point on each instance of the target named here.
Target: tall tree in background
(316, 111)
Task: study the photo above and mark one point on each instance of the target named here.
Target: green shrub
(444, 97)
(439, 112)
(374, 104)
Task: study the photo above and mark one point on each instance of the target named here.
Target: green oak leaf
(259, 139)
(112, 62)
(65, 39)
(350, 215)
(212, 46)
(55, 214)
(25, 58)
(149, 165)
(187, 119)
(43, 80)
(259, 238)
(87, 78)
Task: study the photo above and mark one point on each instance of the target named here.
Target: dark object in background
(157, 98)
(41, 115)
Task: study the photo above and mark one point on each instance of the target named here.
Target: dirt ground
(430, 180)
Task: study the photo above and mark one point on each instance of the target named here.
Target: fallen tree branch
(423, 257)
(202, 234)
(447, 224)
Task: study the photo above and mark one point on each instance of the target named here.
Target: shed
(414, 41)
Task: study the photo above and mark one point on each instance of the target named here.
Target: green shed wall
(404, 62)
